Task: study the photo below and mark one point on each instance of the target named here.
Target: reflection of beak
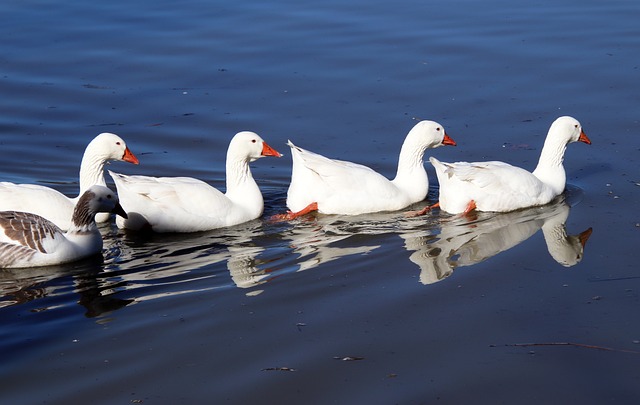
(583, 138)
(584, 236)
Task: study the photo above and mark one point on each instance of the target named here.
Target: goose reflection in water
(20, 286)
(463, 243)
(326, 238)
(170, 259)
(315, 246)
(138, 268)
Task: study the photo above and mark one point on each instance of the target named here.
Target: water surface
(328, 309)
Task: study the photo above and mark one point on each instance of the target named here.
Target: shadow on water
(139, 267)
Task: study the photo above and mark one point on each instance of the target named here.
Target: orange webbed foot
(421, 212)
(293, 215)
(470, 207)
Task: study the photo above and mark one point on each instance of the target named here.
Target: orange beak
(584, 236)
(448, 141)
(269, 151)
(130, 157)
(583, 138)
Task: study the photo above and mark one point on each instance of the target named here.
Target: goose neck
(83, 219)
(242, 189)
(410, 160)
(552, 154)
(238, 173)
(91, 171)
(550, 169)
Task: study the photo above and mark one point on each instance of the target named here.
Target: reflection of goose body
(339, 187)
(501, 187)
(314, 251)
(28, 240)
(329, 238)
(243, 266)
(184, 204)
(461, 243)
(170, 259)
(55, 206)
(21, 285)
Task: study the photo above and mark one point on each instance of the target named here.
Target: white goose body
(184, 204)
(340, 187)
(55, 206)
(501, 187)
(29, 240)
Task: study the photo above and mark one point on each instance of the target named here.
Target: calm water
(369, 309)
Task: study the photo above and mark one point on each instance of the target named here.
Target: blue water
(424, 310)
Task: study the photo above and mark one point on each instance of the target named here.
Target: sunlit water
(328, 309)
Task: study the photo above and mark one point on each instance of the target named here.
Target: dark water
(371, 309)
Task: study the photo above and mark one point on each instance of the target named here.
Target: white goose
(184, 204)
(55, 206)
(338, 187)
(500, 187)
(29, 240)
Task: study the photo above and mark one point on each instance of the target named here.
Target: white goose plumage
(184, 204)
(55, 206)
(29, 240)
(338, 187)
(500, 187)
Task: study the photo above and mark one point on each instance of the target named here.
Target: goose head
(249, 146)
(429, 134)
(108, 146)
(569, 130)
(96, 199)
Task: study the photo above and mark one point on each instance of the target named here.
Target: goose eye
(117, 143)
(253, 141)
(108, 196)
(438, 129)
(576, 126)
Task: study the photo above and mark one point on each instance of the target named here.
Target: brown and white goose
(29, 240)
